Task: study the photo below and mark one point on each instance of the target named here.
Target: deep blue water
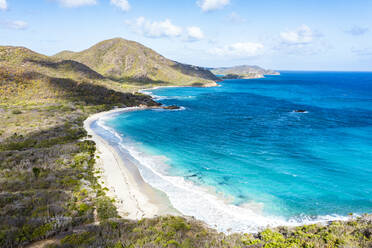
(244, 141)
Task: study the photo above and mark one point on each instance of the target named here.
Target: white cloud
(76, 3)
(155, 29)
(356, 30)
(3, 5)
(301, 41)
(242, 49)
(165, 29)
(235, 18)
(18, 25)
(301, 36)
(208, 5)
(194, 34)
(122, 4)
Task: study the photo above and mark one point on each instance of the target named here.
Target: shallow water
(239, 157)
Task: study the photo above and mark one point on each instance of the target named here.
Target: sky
(332, 35)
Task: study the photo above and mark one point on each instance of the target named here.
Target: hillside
(47, 182)
(129, 61)
(30, 76)
(243, 71)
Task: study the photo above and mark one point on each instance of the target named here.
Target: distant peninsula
(243, 72)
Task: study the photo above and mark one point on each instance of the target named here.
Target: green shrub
(176, 223)
(36, 171)
(83, 208)
(16, 112)
(172, 243)
(41, 231)
(74, 240)
(106, 209)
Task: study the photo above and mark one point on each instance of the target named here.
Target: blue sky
(277, 34)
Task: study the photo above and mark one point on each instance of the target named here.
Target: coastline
(134, 198)
(138, 198)
(209, 85)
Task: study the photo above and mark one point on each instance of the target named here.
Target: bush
(36, 171)
(16, 112)
(75, 240)
(106, 209)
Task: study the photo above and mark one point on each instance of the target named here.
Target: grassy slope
(48, 183)
(130, 62)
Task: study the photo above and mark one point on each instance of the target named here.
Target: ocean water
(238, 157)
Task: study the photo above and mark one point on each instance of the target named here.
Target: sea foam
(199, 201)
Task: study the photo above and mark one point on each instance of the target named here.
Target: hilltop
(129, 61)
(243, 71)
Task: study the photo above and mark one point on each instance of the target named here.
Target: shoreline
(139, 198)
(179, 86)
(134, 198)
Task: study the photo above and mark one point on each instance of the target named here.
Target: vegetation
(49, 191)
(180, 232)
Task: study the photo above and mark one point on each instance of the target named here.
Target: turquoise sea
(238, 156)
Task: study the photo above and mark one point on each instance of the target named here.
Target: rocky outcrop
(171, 107)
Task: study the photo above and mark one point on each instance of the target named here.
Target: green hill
(31, 77)
(129, 61)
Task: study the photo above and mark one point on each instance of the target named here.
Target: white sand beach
(135, 199)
